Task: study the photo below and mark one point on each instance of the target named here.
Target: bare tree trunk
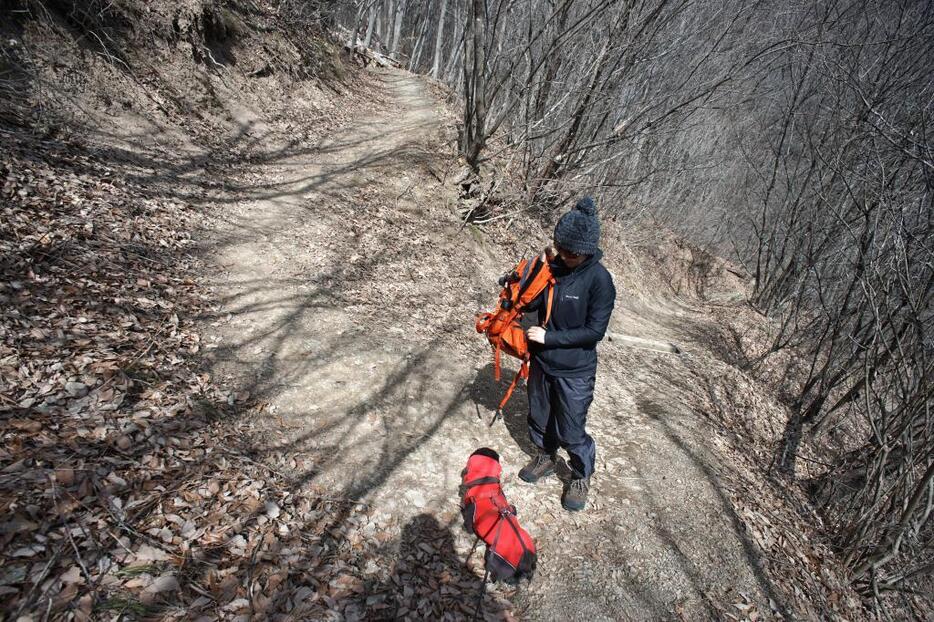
(356, 25)
(457, 51)
(436, 63)
(474, 132)
(397, 29)
(422, 37)
(381, 22)
(371, 25)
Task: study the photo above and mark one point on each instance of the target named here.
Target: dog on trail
(510, 551)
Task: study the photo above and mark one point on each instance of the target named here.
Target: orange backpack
(502, 327)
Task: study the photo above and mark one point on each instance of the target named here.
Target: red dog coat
(510, 551)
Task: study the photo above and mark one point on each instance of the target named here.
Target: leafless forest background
(792, 138)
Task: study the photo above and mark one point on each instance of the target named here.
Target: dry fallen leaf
(73, 575)
(164, 583)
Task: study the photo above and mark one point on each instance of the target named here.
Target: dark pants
(558, 414)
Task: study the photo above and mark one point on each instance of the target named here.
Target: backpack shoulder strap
(533, 276)
(548, 304)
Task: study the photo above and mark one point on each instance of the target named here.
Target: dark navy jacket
(583, 302)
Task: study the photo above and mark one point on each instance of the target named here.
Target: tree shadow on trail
(485, 392)
(430, 580)
(752, 556)
(187, 457)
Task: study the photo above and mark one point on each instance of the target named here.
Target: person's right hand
(550, 253)
(536, 334)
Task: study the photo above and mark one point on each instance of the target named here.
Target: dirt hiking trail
(346, 293)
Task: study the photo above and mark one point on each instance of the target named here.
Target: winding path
(348, 296)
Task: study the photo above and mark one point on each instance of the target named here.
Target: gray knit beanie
(578, 231)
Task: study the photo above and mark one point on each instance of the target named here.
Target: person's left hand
(536, 334)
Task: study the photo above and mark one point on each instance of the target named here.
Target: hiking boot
(575, 497)
(541, 466)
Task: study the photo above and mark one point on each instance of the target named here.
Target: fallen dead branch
(644, 344)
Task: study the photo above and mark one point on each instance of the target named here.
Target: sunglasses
(563, 251)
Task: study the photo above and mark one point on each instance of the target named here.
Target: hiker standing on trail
(564, 356)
